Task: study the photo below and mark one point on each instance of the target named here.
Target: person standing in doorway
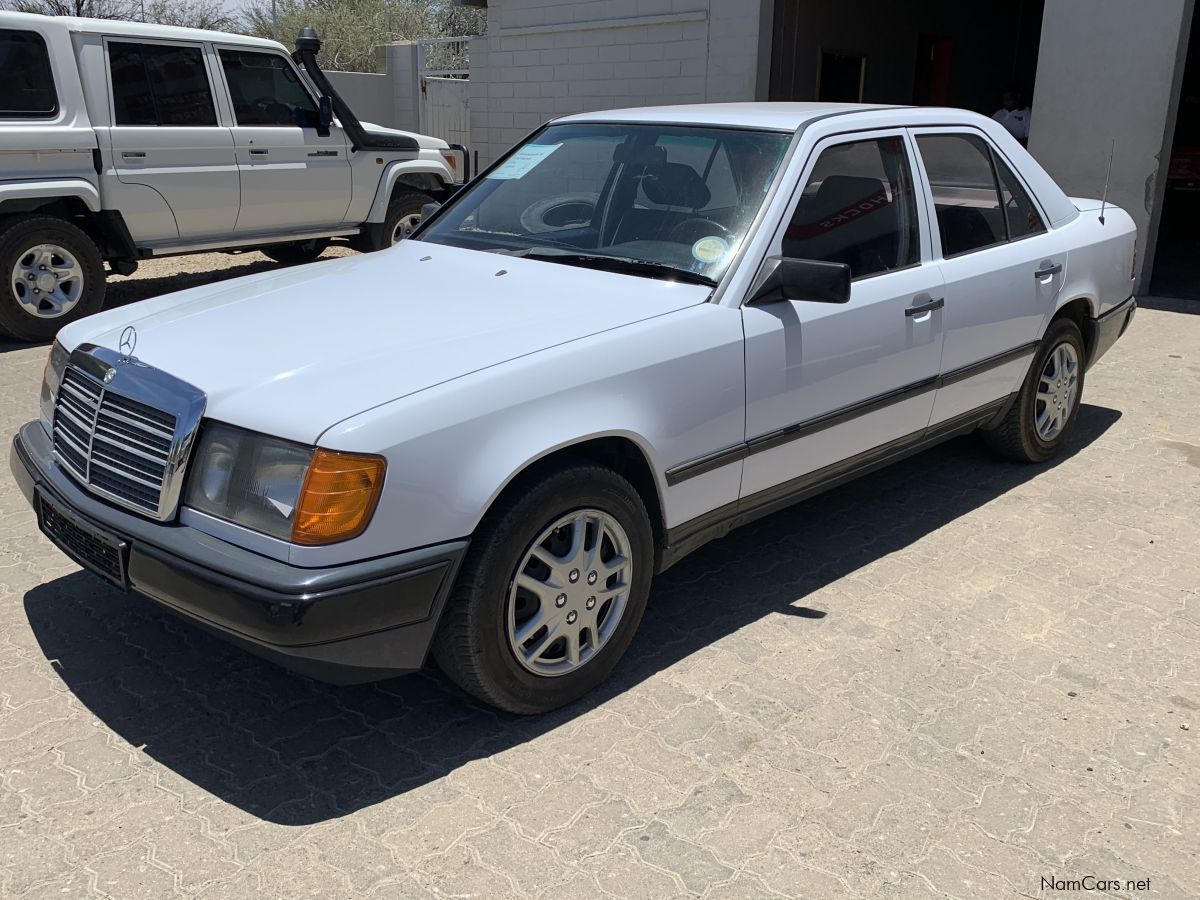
(1013, 114)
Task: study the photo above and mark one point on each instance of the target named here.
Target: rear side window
(28, 85)
(964, 189)
(160, 84)
(979, 201)
(266, 90)
(1021, 215)
(858, 207)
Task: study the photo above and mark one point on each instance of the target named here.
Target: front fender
(674, 386)
(52, 190)
(395, 171)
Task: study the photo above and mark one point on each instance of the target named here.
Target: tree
(209, 14)
(350, 30)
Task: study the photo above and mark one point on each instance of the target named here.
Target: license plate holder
(100, 552)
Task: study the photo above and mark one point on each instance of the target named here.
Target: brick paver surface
(957, 676)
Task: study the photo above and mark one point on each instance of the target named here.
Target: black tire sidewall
(15, 240)
(298, 252)
(509, 684)
(1060, 331)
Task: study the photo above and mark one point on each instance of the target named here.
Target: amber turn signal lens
(338, 498)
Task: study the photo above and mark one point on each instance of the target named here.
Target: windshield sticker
(709, 249)
(522, 162)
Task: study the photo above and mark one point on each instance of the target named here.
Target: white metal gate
(444, 110)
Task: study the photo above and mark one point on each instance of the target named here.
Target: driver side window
(858, 207)
(266, 90)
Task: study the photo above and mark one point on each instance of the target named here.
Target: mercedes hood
(292, 352)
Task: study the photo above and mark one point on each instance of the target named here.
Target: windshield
(655, 200)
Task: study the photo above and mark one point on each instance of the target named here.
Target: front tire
(296, 252)
(53, 275)
(403, 215)
(1040, 420)
(551, 593)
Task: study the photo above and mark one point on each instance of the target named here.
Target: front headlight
(56, 364)
(283, 489)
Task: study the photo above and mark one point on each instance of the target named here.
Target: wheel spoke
(578, 537)
(539, 589)
(542, 645)
(572, 645)
(529, 627)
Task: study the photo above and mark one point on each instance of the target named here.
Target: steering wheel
(269, 106)
(708, 224)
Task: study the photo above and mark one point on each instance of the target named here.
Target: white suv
(122, 141)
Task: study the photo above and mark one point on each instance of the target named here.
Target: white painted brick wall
(547, 58)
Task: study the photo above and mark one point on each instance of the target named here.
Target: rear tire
(1040, 420)
(480, 637)
(297, 252)
(52, 275)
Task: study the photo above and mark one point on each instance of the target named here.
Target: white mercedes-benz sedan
(637, 330)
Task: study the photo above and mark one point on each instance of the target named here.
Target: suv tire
(403, 214)
(296, 252)
(1040, 420)
(52, 274)
(588, 598)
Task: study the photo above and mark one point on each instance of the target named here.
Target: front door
(293, 177)
(828, 384)
(1003, 269)
(176, 175)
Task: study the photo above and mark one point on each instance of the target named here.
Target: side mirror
(428, 209)
(325, 114)
(802, 279)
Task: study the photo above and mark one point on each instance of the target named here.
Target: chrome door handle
(1048, 271)
(132, 154)
(258, 152)
(927, 306)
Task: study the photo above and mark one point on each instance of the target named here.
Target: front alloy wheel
(569, 593)
(551, 591)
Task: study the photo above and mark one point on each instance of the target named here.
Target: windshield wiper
(624, 264)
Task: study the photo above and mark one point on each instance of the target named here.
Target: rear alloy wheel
(551, 592)
(54, 276)
(403, 215)
(1040, 419)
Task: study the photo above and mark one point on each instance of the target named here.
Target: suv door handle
(1047, 271)
(928, 306)
(133, 154)
(258, 152)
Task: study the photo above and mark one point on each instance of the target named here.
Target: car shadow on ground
(295, 752)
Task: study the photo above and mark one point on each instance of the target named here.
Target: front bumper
(343, 624)
(1105, 329)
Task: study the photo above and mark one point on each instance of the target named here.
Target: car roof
(129, 29)
(772, 115)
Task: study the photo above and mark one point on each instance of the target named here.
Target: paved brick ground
(954, 677)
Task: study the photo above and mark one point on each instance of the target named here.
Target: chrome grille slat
(115, 445)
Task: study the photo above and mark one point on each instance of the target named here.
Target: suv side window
(266, 90)
(858, 207)
(978, 200)
(160, 84)
(25, 73)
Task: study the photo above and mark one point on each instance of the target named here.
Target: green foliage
(350, 30)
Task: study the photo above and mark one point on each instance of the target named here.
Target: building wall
(390, 99)
(547, 58)
(1110, 69)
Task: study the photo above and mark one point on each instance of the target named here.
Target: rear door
(176, 172)
(294, 177)
(1002, 268)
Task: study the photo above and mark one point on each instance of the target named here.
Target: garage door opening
(933, 52)
(1176, 262)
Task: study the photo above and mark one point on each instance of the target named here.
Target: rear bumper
(343, 624)
(1107, 328)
